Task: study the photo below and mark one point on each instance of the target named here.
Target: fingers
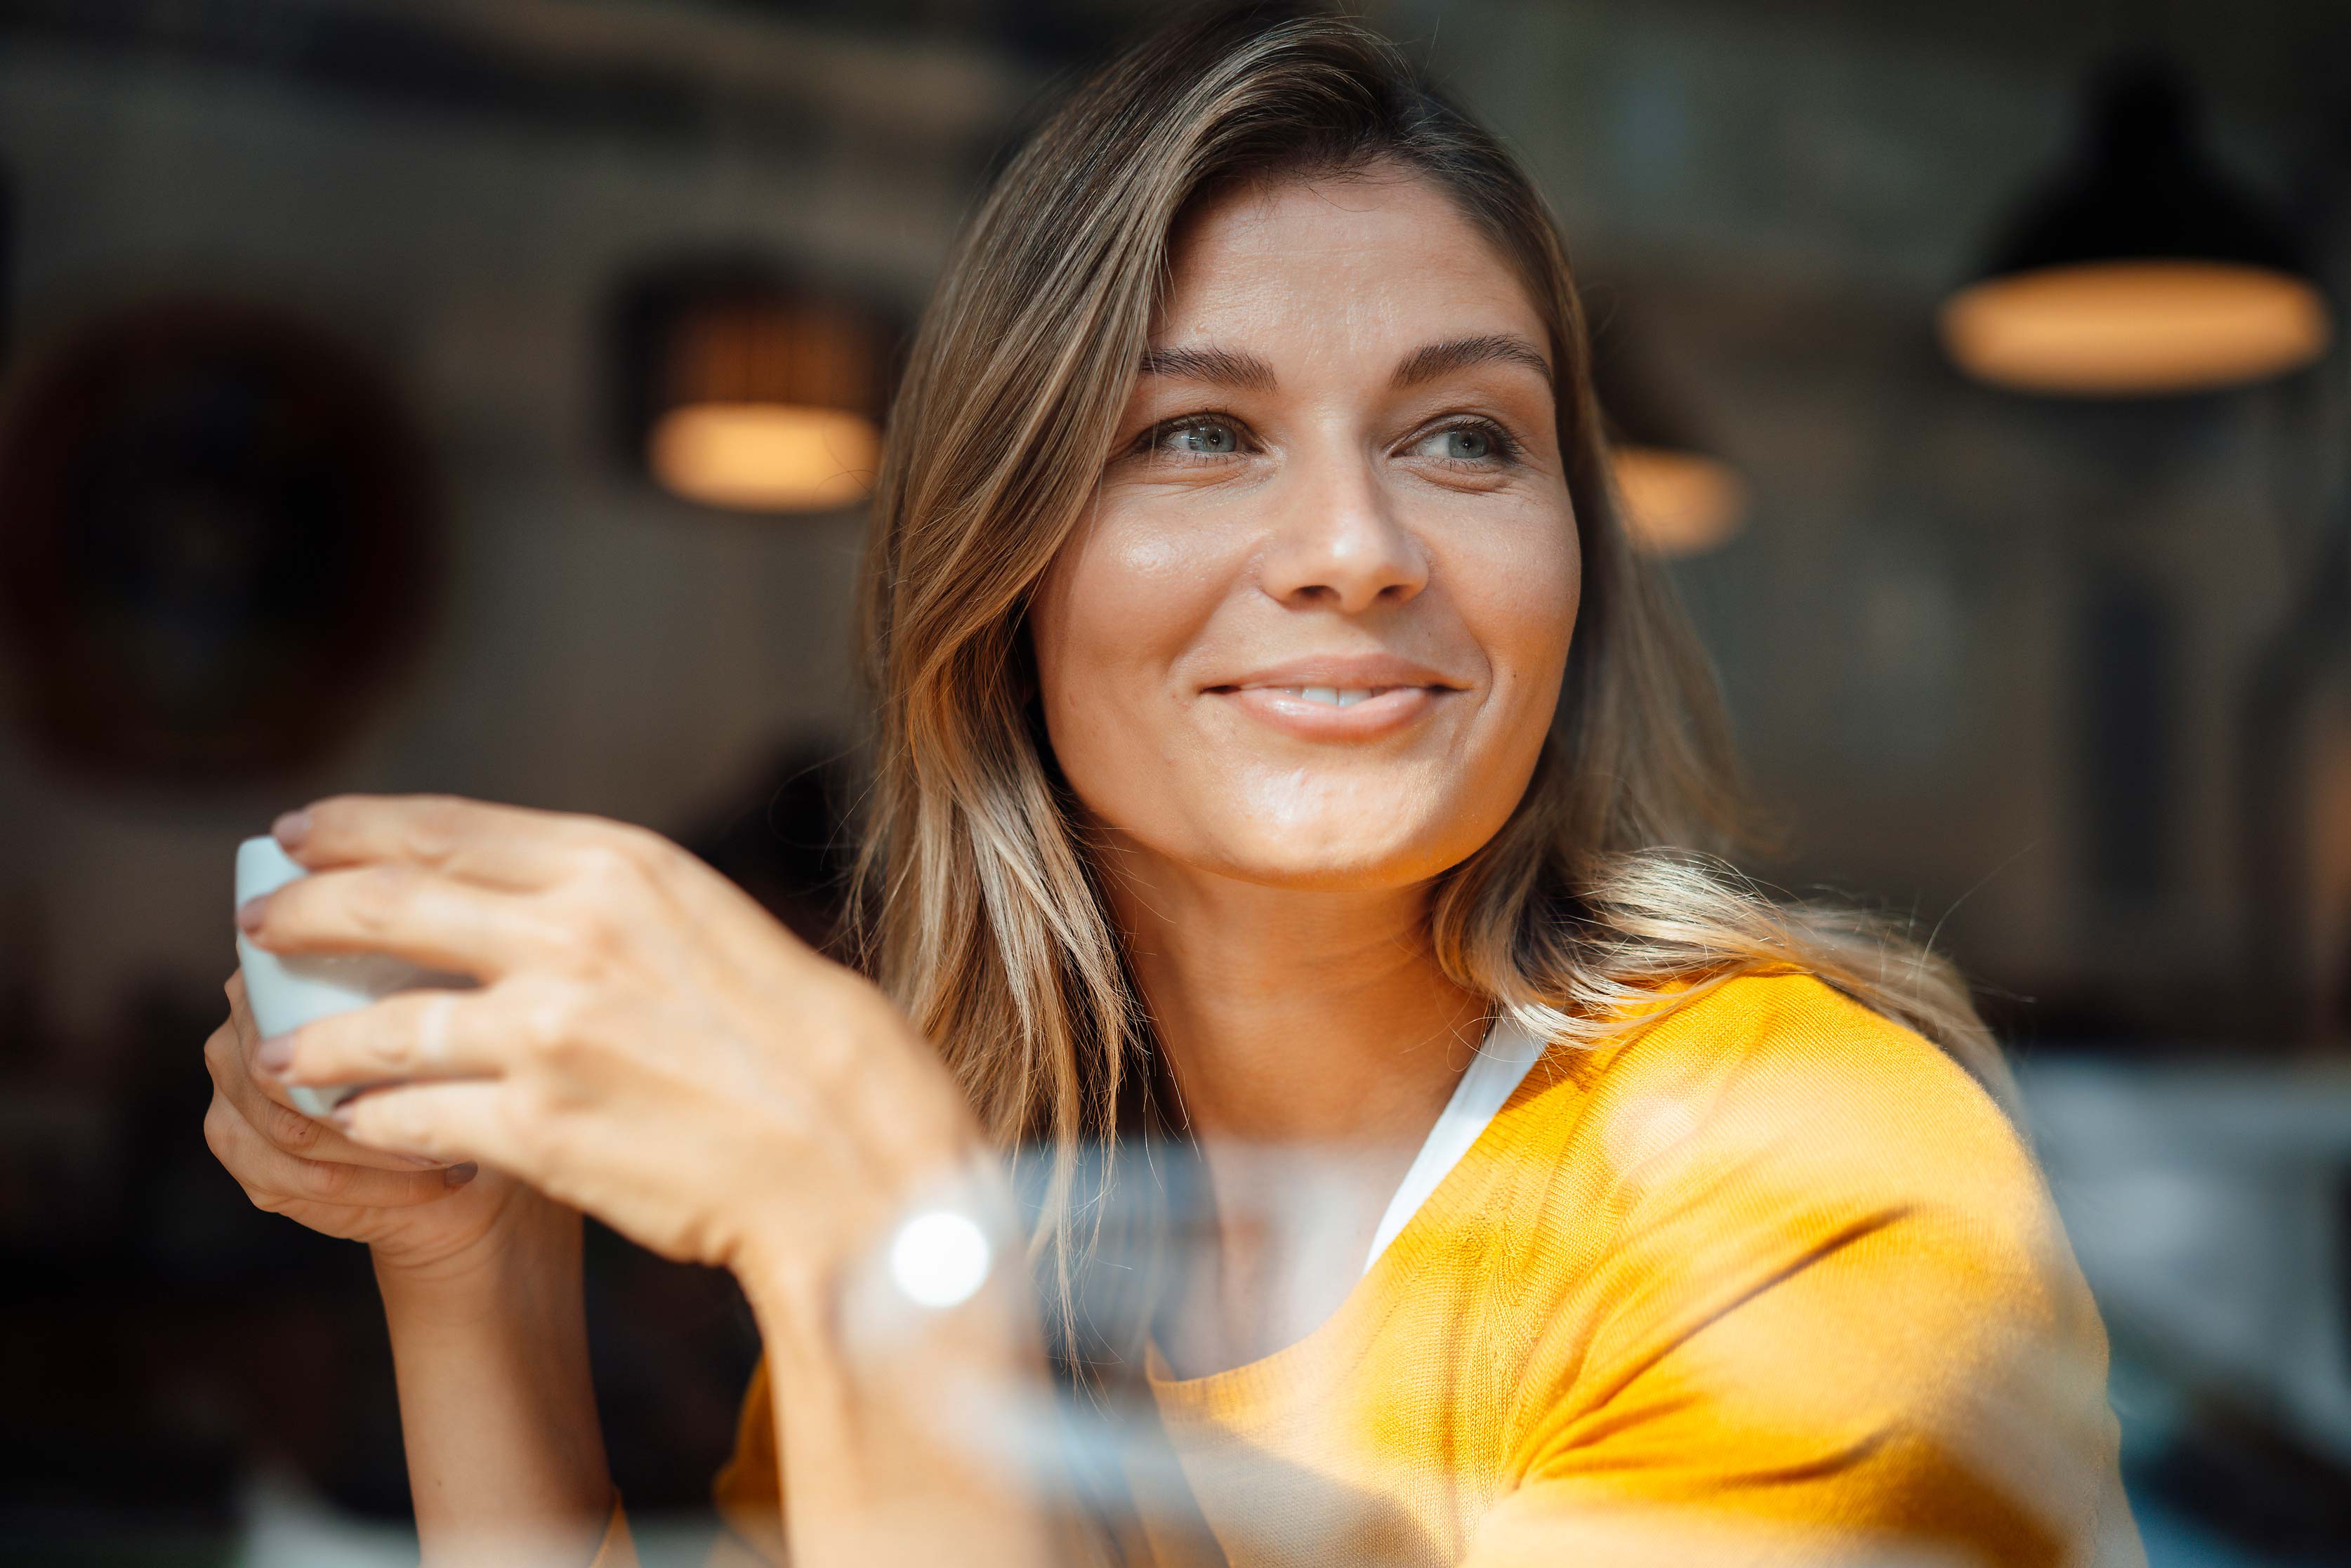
(273, 1178)
(418, 915)
(457, 1119)
(233, 1057)
(259, 1101)
(510, 847)
(240, 1011)
(416, 1034)
(236, 1071)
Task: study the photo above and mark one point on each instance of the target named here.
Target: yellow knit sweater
(1767, 1280)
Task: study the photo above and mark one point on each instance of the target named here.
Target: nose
(1338, 541)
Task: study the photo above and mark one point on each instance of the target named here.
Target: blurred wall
(602, 648)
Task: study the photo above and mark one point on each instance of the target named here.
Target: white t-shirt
(1498, 1066)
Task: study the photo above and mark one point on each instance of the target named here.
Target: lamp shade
(743, 390)
(2139, 270)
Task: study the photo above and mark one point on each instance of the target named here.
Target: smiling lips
(1336, 697)
(1339, 698)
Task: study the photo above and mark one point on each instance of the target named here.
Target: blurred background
(421, 394)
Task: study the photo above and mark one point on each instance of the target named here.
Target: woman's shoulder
(1801, 1240)
(1780, 1082)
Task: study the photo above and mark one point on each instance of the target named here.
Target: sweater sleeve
(1838, 1322)
(748, 1491)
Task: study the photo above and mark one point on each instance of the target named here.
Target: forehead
(1380, 252)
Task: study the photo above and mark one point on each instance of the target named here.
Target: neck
(1312, 1039)
(1291, 1017)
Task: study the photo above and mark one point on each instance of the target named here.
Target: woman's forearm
(505, 1456)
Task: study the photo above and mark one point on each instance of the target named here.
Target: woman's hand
(648, 1044)
(418, 1214)
(481, 1283)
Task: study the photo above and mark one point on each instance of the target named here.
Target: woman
(1277, 744)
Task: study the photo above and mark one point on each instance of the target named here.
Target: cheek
(1114, 618)
(1518, 590)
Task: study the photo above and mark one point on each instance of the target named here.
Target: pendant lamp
(743, 390)
(2140, 270)
(1679, 498)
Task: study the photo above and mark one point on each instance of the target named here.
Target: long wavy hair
(978, 905)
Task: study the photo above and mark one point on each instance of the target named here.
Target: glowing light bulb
(2123, 328)
(1678, 503)
(939, 1258)
(766, 457)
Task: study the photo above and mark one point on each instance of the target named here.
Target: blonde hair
(977, 906)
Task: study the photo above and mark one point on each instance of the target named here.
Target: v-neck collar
(1238, 1389)
(1495, 1068)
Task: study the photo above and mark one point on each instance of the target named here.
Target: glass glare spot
(939, 1258)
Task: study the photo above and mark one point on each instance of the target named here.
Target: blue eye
(1196, 438)
(1472, 442)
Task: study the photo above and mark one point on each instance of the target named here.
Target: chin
(1360, 845)
(1316, 827)
(1340, 869)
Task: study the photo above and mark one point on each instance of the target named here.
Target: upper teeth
(1337, 696)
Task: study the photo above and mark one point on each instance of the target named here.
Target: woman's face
(1312, 632)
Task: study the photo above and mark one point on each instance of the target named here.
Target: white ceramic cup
(287, 992)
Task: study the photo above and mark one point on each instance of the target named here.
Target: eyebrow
(1225, 367)
(1217, 367)
(1426, 364)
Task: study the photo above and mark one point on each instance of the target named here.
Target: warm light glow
(765, 457)
(2124, 329)
(1678, 503)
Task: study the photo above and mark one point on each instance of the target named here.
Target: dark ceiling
(673, 66)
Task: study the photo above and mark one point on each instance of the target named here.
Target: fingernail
(459, 1175)
(290, 828)
(272, 1054)
(249, 912)
(342, 1117)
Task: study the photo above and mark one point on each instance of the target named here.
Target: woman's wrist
(911, 1375)
(528, 1265)
(506, 1454)
(944, 1226)
(797, 1254)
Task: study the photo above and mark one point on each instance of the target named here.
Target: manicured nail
(459, 1175)
(273, 1054)
(249, 912)
(291, 829)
